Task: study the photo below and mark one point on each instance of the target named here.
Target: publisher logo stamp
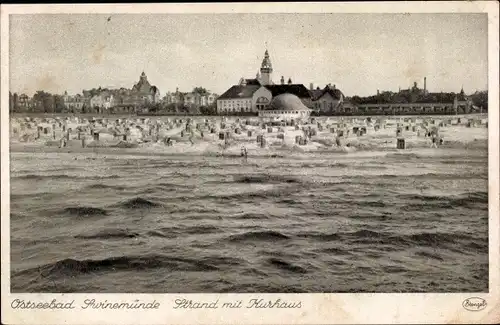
(474, 304)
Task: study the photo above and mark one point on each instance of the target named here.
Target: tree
(44, 102)
(59, 104)
(11, 102)
(208, 110)
(200, 91)
(480, 99)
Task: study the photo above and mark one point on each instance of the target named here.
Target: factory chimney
(425, 85)
(311, 86)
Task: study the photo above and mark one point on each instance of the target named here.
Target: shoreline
(480, 147)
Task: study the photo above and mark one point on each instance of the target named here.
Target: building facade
(102, 102)
(73, 103)
(193, 99)
(327, 100)
(285, 107)
(254, 95)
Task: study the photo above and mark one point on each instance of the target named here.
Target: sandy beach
(227, 136)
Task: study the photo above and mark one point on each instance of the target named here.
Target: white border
(317, 308)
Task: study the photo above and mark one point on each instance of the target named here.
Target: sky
(359, 53)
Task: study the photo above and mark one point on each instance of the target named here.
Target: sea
(362, 222)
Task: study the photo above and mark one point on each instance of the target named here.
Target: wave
(165, 185)
(369, 237)
(260, 179)
(63, 176)
(319, 165)
(372, 204)
(478, 246)
(284, 265)
(334, 250)
(105, 186)
(192, 209)
(243, 196)
(108, 234)
(429, 255)
(32, 195)
(84, 211)
(321, 237)
(258, 236)
(246, 216)
(468, 200)
(207, 229)
(72, 267)
(162, 234)
(15, 215)
(138, 203)
(432, 239)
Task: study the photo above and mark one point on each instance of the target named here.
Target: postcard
(250, 163)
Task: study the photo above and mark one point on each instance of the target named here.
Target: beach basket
(401, 143)
(263, 142)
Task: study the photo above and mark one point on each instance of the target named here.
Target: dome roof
(286, 102)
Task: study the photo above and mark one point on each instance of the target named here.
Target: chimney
(378, 92)
(311, 86)
(282, 80)
(425, 85)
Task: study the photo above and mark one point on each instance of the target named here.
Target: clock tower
(266, 70)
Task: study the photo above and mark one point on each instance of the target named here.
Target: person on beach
(434, 141)
(337, 141)
(244, 153)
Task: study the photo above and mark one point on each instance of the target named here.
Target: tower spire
(266, 69)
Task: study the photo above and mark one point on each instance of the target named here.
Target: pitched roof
(316, 93)
(239, 92)
(252, 82)
(298, 90)
(334, 92)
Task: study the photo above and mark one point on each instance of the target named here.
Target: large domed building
(285, 107)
